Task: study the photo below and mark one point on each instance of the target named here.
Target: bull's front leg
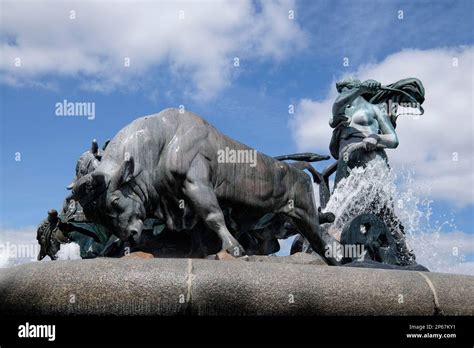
(199, 191)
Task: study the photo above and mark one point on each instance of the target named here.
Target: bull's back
(167, 143)
(146, 138)
(238, 173)
(241, 175)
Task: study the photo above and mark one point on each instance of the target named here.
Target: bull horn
(105, 144)
(72, 184)
(94, 147)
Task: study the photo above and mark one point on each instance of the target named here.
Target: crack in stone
(189, 280)
(437, 308)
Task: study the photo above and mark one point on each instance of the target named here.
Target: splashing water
(365, 190)
(69, 251)
(369, 189)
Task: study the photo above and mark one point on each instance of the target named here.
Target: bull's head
(87, 163)
(110, 198)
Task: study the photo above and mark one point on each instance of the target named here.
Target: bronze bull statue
(175, 167)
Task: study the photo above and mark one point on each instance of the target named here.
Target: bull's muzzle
(135, 235)
(135, 230)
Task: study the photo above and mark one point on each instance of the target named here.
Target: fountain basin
(134, 286)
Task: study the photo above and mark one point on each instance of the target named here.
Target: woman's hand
(370, 143)
(371, 85)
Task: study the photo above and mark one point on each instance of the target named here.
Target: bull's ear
(105, 144)
(125, 172)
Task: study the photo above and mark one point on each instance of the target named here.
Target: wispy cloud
(369, 30)
(18, 245)
(194, 42)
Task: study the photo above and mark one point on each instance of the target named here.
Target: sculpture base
(299, 285)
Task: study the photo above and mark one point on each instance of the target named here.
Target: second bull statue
(167, 166)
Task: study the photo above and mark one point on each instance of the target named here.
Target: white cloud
(198, 50)
(444, 252)
(427, 144)
(18, 245)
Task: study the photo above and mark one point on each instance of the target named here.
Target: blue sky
(282, 62)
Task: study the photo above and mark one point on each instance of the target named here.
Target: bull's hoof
(140, 255)
(326, 218)
(235, 250)
(223, 255)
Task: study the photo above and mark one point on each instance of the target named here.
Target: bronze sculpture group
(159, 187)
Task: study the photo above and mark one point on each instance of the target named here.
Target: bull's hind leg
(198, 188)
